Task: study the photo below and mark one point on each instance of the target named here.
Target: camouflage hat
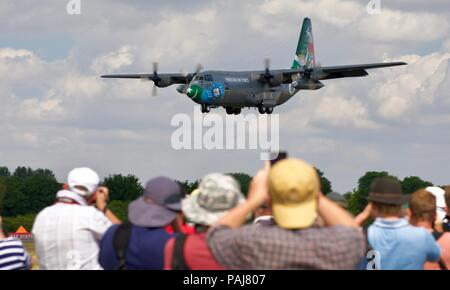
(217, 194)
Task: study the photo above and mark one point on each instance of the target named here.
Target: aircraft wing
(344, 71)
(333, 72)
(170, 78)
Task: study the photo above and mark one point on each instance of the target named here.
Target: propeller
(189, 78)
(198, 69)
(307, 73)
(155, 78)
(267, 76)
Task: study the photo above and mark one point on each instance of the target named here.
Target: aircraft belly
(235, 99)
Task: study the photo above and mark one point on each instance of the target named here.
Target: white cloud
(402, 92)
(338, 111)
(64, 111)
(9, 53)
(114, 60)
(400, 26)
(46, 109)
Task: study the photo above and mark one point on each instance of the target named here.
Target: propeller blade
(267, 64)
(154, 91)
(198, 69)
(267, 76)
(155, 68)
(190, 76)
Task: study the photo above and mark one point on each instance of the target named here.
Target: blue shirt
(402, 246)
(145, 249)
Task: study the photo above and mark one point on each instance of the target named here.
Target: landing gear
(206, 108)
(265, 110)
(231, 111)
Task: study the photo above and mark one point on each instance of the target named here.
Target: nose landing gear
(206, 108)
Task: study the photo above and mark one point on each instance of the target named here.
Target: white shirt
(67, 236)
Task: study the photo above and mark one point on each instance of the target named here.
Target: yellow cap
(293, 186)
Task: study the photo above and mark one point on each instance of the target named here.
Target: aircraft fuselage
(237, 89)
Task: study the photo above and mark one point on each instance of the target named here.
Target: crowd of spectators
(285, 222)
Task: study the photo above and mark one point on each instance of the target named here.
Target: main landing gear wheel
(261, 110)
(229, 110)
(265, 110)
(206, 108)
(237, 111)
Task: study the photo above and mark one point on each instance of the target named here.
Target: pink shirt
(444, 243)
(197, 254)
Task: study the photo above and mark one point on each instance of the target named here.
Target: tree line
(26, 191)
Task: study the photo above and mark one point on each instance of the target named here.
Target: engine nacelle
(164, 82)
(307, 85)
(277, 80)
(274, 81)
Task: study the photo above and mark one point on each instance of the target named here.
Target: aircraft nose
(194, 91)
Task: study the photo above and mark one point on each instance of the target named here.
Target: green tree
(11, 224)
(14, 202)
(2, 192)
(44, 172)
(28, 191)
(188, 186)
(120, 209)
(325, 184)
(123, 187)
(23, 172)
(244, 181)
(412, 183)
(351, 198)
(39, 191)
(4, 171)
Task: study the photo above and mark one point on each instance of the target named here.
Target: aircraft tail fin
(304, 55)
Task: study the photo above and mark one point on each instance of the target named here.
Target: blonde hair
(423, 206)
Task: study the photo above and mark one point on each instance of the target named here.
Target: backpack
(120, 243)
(178, 259)
(437, 236)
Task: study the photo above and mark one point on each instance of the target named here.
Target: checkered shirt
(257, 247)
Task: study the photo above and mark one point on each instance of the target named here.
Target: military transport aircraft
(265, 89)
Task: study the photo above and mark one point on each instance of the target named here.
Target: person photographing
(67, 234)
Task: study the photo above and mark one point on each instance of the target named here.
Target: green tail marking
(304, 55)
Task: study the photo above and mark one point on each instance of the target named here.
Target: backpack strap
(120, 243)
(178, 260)
(437, 236)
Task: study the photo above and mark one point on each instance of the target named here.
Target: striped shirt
(13, 256)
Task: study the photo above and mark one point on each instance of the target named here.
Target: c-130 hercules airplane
(264, 90)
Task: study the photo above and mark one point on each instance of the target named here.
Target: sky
(56, 113)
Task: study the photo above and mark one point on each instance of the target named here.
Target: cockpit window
(208, 78)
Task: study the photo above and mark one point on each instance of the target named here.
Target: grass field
(29, 246)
